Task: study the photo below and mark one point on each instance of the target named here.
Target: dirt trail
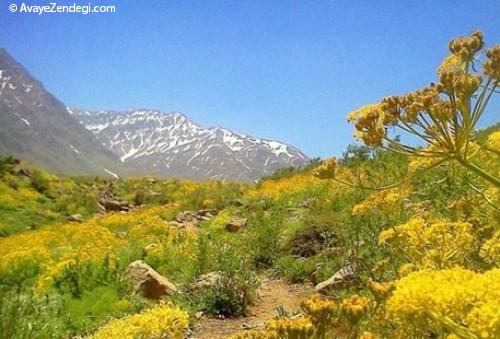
(273, 293)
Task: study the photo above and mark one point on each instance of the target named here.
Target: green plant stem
(480, 172)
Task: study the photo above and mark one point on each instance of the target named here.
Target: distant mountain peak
(37, 127)
(173, 145)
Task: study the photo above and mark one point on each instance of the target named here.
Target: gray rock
(75, 218)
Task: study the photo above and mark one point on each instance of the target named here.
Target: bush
(40, 181)
(235, 290)
(312, 238)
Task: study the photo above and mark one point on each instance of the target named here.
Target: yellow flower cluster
(354, 307)
(382, 202)
(51, 245)
(443, 116)
(431, 300)
(369, 124)
(319, 320)
(492, 65)
(52, 248)
(156, 323)
(494, 140)
(380, 290)
(327, 169)
(13, 198)
(285, 187)
(367, 335)
(301, 328)
(437, 244)
(490, 251)
(322, 312)
(466, 47)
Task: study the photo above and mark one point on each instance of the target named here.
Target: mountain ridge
(35, 126)
(163, 141)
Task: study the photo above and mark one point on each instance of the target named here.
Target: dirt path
(273, 293)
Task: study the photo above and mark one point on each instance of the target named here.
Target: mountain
(35, 126)
(170, 144)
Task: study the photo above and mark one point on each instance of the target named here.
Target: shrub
(236, 289)
(312, 238)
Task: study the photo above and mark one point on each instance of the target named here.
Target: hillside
(35, 126)
(389, 240)
(296, 227)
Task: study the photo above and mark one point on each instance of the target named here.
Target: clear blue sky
(286, 70)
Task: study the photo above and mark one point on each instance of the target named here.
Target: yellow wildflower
(159, 322)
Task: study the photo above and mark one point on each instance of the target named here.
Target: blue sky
(286, 70)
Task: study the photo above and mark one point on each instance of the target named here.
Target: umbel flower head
(492, 65)
(442, 115)
(355, 307)
(327, 169)
(380, 290)
(467, 47)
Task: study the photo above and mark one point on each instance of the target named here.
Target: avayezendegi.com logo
(54, 7)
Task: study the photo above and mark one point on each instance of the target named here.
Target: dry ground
(273, 293)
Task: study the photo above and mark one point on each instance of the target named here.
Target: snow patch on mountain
(171, 144)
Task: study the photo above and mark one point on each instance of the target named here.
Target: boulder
(149, 282)
(236, 224)
(112, 205)
(343, 276)
(75, 218)
(205, 281)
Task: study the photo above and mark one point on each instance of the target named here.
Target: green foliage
(79, 277)
(22, 315)
(295, 270)
(235, 291)
(264, 240)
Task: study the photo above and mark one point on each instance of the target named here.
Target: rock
(205, 215)
(205, 281)
(307, 203)
(149, 282)
(187, 220)
(236, 224)
(75, 218)
(191, 220)
(342, 276)
(111, 205)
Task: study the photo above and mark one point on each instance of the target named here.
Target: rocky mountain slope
(36, 126)
(170, 144)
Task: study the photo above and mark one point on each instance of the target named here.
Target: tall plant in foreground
(443, 115)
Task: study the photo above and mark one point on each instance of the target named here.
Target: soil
(273, 293)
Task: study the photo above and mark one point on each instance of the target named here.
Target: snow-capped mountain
(169, 144)
(35, 126)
